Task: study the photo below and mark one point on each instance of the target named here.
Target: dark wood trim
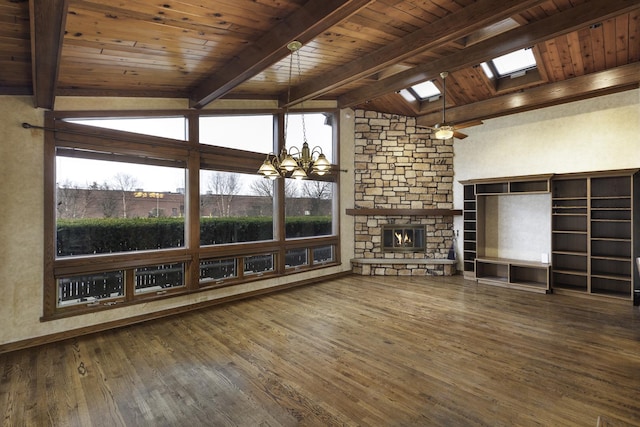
(59, 336)
(49, 214)
(47, 19)
(405, 212)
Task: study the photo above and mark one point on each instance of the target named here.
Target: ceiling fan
(444, 130)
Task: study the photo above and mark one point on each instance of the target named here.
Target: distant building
(98, 203)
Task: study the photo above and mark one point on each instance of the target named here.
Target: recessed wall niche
(516, 226)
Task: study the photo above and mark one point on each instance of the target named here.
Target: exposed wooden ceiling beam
(452, 27)
(561, 23)
(582, 87)
(47, 18)
(303, 25)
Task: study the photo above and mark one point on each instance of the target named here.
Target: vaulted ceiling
(358, 52)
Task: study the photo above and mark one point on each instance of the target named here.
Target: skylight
(421, 92)
(514, 62)
(426, 89)
(487, 70)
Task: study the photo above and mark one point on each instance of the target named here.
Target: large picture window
(309, 208)
(235, 207)
(139, 208)
(107, 207)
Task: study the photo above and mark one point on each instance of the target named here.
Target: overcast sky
(241, 133)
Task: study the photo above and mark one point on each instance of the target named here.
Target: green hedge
(99, 236)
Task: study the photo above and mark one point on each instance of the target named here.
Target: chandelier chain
(304, 126)
(295, 162)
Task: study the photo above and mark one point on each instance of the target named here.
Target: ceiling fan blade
(459, 135)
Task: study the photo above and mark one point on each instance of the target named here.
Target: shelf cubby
(529, 275)
(574, 263)
(613, 186)
(569, 223)
(510, 273)
(492, 188)
(611, 267)
(614, 214)
(569, 188)
(541, 186)
(575, 242)
(569, 281)
(610, 229)
(611, 248)
(611, 286)
(491, 270)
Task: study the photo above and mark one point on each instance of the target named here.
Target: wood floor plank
(368, 351)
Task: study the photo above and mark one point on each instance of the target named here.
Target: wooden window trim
(108, 144)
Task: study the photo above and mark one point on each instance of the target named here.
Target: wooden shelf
(404, 212)
(518, 274)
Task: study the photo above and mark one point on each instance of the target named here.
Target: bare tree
(317, 189)
(124, 183)
(316, 192)
(223, 186)
(71, 200)
(265, 188)
(107, 199)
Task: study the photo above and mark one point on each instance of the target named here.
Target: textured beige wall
(596, 134)
(21, 219)
(516, 226)
(21, 223)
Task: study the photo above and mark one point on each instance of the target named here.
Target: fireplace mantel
(404, 212)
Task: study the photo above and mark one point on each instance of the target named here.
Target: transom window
(165, 127)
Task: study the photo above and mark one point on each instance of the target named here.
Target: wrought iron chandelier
(295, 162)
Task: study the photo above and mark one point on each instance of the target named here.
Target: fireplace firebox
(403, 238)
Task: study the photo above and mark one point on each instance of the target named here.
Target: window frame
(103, 143)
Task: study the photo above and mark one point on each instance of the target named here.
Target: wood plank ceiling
(358, 52)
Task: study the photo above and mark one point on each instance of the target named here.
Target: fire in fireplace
(403, 238)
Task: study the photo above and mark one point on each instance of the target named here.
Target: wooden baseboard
(60, 336)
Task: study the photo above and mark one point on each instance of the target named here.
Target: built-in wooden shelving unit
(469, 231)
(594, 236)
(513, 273)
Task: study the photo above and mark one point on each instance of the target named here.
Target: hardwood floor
(374, 351)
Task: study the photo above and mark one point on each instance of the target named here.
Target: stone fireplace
(403, 179)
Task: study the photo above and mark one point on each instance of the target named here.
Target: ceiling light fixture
(444, 130)
(295, 162)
